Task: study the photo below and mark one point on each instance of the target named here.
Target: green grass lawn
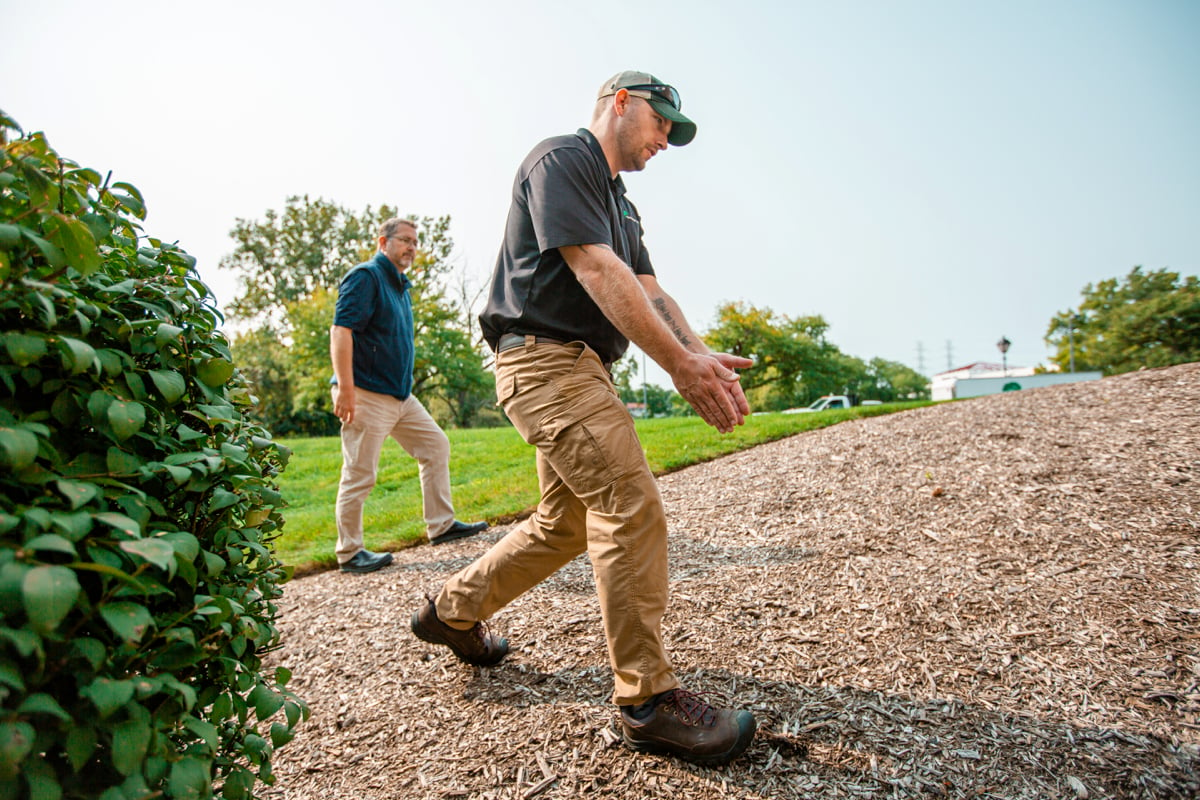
(492, 477)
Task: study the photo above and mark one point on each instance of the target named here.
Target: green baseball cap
(662, 96)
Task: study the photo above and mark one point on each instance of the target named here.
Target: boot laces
(692, 709)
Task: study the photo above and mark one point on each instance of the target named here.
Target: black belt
(510, 340)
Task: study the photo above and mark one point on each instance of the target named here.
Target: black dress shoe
(366, 561)
(459, 530)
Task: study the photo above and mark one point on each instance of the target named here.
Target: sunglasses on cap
(668, 94)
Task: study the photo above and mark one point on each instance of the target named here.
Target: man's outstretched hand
(710, 385)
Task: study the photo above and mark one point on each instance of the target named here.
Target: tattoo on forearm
(660, 306)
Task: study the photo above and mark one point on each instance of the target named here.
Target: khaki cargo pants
(598, 495)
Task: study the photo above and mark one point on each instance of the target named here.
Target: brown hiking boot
(681, 724)
(475, 646)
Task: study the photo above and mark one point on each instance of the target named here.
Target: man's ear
(621, 102)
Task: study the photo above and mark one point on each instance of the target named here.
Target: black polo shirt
(563, 195)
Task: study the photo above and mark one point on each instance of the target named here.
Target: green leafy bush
(137, 508)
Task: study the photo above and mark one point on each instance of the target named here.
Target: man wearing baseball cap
(573, 285)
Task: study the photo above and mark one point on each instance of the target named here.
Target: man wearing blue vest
(371, 345)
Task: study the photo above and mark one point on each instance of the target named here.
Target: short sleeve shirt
(373, 302)
(563, 195)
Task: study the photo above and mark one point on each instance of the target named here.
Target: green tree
(287, 255)
(659, 401)
(263, 360)
(794, 361)
(448, 372)
(891, 380)
(1149, 319)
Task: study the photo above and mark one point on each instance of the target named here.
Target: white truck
(832, 401)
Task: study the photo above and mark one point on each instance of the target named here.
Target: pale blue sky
(916, 172)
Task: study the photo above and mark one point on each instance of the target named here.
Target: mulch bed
(995, 598)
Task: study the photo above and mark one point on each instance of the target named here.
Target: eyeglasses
(408, 240)
(668, 94)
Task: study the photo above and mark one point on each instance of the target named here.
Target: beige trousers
(598, 496)
(376, 417)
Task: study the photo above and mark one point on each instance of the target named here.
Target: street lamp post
(1003, 345)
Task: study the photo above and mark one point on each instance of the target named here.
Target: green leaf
(213, 564)
(91, 651)
(171, 385)
(293, 711)
(108, 695)
(215, 371)
(25, 641)
(10, 236)
(97, 405)
(42, 703)
(75, 240)
(16, 740)
(167, 333)
(190, 778)
(53, 542)
(126, 418)
(130, 740)
(74, 525)
(79, 356)
(281, 734)
(24, 349)
(128, 620)
(222, 498)
(18, 448)
(156, 551)
(265, 701)
(257, 745)
(120, 522)
(185, 544)
(43, 193)
(76, 492)
(10, 675)
(48, 593)
(180, 475)
(187, 434)
(206, 731)
(42, 780)
(80, 744)
(238, 784)
(120, 462)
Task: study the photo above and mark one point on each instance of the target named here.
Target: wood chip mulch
(995, 598)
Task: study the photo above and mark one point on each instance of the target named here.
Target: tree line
(289, 264)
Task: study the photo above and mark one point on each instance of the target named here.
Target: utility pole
(645, 396)
(920, 358)
(949, 355)
(1071, 341)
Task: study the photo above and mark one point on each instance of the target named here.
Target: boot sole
(743, 740)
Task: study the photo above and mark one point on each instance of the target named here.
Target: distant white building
(980, 378)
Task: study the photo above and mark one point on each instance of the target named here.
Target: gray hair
(390, 226)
